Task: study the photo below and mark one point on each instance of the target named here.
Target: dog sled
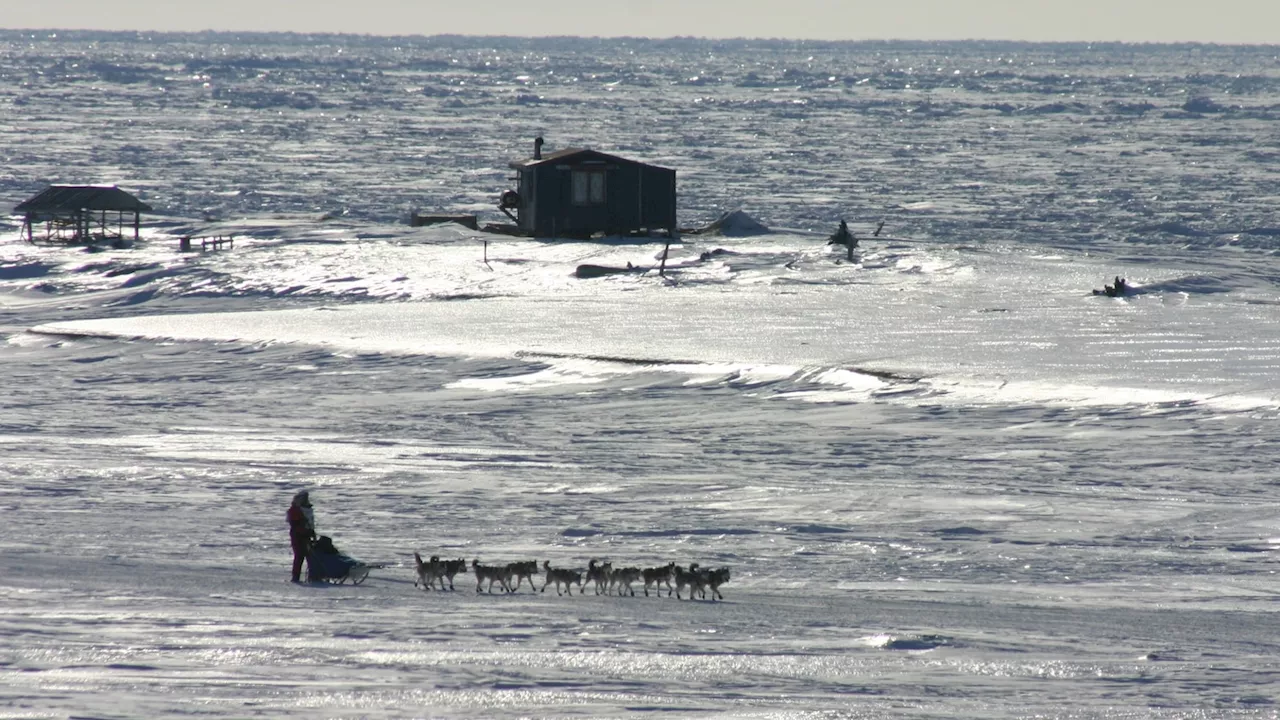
(330, 565)
(1120, 288)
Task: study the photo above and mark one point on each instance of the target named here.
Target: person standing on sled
(302, 530)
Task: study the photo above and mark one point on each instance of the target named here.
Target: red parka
(300, 529)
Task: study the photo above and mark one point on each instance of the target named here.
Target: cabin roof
(70, 198)
(574, 154)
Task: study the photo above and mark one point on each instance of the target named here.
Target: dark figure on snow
(1117, 290)
(845, 238)
(302, 530)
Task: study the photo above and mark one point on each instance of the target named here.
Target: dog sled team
(603, 578)
(325, 563)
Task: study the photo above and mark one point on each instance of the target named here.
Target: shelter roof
(69, 198)
(569, 154)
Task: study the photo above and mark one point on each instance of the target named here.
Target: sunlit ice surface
(949, 480)
(939, 493)
(952, 324)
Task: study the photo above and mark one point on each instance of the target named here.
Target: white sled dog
(561, 576)
(492, 573)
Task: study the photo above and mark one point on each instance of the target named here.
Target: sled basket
(335, 567)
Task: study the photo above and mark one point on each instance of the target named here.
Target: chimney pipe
(537, 148)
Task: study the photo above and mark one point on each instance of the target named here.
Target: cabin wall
(547, 200)
(636, 197)
(658, 199)
(526, 214)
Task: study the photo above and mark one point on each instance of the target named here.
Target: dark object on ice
(423, 219)
(1203, 105)
(503, 229)
(329, 565)
(588, 271)
(842, 236)
(578, 193)
(186, 243)
(1118, 289)
(75, 214)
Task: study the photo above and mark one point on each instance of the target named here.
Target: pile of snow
(734, 224)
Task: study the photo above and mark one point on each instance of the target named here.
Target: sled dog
(716, 578)
(450, 568)
(657, 577)
(599, 575)
(492, 573)
(520, 571)
(622, 578)
(691, 578)
(560, 576)
(428, 572)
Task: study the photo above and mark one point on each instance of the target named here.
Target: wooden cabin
(578, 193)
(81, 214)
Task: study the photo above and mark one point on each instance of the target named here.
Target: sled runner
(330, 565)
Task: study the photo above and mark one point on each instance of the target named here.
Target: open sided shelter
(81, 214)
(581, 192)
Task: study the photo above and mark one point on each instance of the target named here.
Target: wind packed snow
(949, 480)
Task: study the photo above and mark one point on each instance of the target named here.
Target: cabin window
(588, 187)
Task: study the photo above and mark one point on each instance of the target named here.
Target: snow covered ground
(949, 480)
